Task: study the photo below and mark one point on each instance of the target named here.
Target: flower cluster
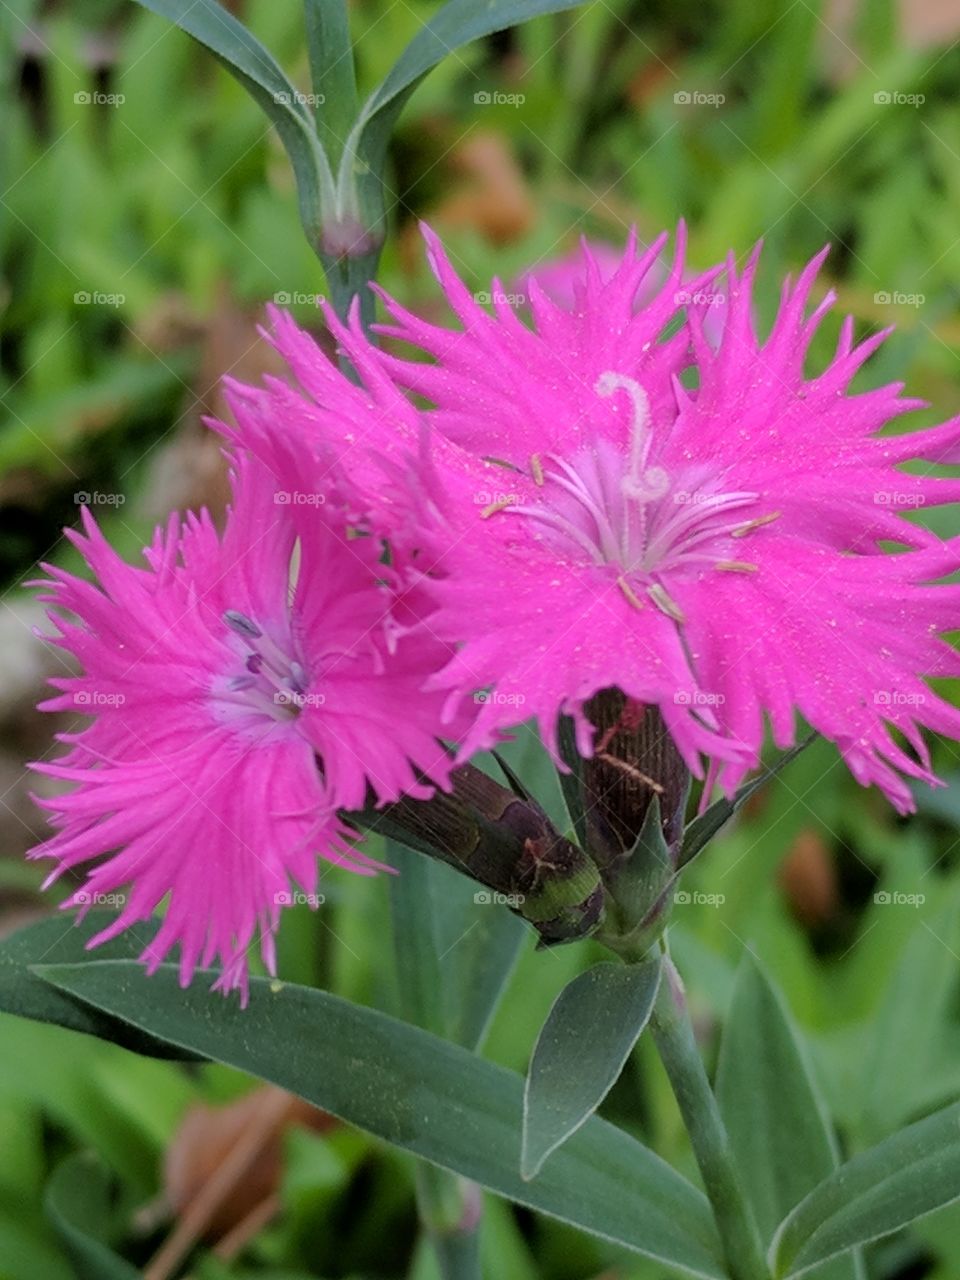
(626, 487)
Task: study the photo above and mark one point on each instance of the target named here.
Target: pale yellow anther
(494, 507)
(536, 469)
(735, 566)
(749, 527)
(629, 593)
(665, 603)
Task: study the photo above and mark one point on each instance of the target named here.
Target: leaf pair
(338, 151)
(814, 1212)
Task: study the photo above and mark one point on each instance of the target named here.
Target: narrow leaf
(587, 1037)
(879, 1191)
(703, 828)
(331, 71)
(423, 1094)
(571, 784)
(77, 1202)
(62, 940)
(778, 1125)
(253, 66)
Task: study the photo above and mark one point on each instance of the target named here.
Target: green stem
(450, 1213)
(449, 1206)
(674, 1037)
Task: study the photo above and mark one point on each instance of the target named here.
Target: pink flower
(562, 279)
(214, 687)
(583, 521)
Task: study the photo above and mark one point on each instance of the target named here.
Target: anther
(494, 507)
(735, 566)
(536, 469)
(742, 530)
(665, 603)
(240, 623)
(629, 592)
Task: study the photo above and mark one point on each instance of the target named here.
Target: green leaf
(423, 1094)
(331, 70)
(571, 783)
(77, 1202)
(254, 67)
(486, 959)
(703, 828)
(414, 907)
(879, 1191)
(455, 24)
(778, 1125)
(62, 940)
(582, 1047)
(454, 956)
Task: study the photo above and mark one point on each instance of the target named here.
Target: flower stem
(675, 1041)
(450, 1213)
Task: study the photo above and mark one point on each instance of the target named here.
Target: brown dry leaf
(222, 1173)
(206, 1138)
(492, 195)
(808, 878)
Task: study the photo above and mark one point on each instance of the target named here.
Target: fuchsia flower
(215, 685)
(582, 520)
(562, 280)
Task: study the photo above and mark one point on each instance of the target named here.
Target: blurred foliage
(146, 216)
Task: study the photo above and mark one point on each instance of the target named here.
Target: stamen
(735, 566)
(240, 623)
(629, 592)
(665, 603)
(536, 469)
(494, 507)
(644, 485)
(749, 527)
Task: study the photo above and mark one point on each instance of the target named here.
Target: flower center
(269, 682)
(620, 511)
